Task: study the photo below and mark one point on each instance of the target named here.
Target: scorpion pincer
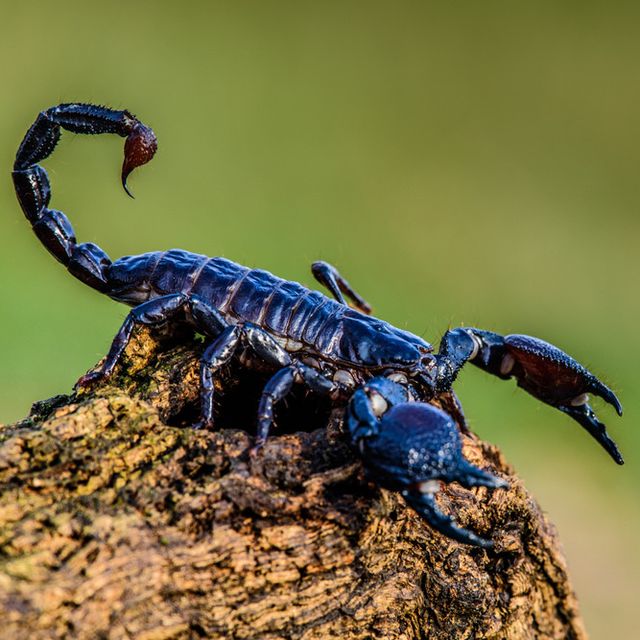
(386, 377)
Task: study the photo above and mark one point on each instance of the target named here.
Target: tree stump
(118, 520)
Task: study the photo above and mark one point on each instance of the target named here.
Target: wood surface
(118, 520)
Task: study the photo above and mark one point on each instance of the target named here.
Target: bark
(117, 520)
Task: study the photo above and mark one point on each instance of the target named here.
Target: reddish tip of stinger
(139, 147)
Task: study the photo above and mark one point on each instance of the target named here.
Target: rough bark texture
(117, 520)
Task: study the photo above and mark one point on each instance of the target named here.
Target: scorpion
(386, 378)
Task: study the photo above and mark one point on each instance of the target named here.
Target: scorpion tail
(85, 261)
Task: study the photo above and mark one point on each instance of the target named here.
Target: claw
(607, 395)
(586, 417)
(556, 378)
(426, 506)
(413, 446)
(550, 375)
(203, 425)
(369, 402)
(139, 147)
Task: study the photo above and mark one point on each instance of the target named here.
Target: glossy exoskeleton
(385, 376)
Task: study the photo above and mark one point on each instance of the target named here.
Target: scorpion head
(371, 342)
(411, 447)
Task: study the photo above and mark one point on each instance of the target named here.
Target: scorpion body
(385, 376)
(299, 319)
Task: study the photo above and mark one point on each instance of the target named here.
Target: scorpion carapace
(386, 377)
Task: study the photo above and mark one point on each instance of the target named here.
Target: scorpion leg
(280, 385)
(156, 312)
(153, 312)
(450, 403)
(540, 368)
(220, 352)
(328, 276)
(215, 356)
(412, 447)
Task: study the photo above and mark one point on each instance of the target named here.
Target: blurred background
(464, 163)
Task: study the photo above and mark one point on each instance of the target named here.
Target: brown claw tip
(140, 146)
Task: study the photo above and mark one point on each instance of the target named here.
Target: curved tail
(85, 261)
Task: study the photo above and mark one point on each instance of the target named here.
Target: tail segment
(85, 261)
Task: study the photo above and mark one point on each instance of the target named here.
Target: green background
(462, 163)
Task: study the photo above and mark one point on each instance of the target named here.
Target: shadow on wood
(117, 520)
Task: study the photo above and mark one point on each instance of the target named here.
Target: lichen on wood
(118, 520)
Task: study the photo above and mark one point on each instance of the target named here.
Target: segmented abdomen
(283, 307)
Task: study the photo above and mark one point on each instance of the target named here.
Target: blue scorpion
(386, 377)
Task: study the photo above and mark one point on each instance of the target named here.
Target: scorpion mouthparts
(140, 146)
